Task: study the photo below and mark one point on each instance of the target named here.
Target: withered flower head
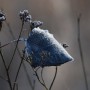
(25, 16)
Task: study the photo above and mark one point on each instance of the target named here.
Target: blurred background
(60, 18)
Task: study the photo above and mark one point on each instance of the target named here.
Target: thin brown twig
(10, 30)
(9, 81)
(43, 83)
(16, 85)
(11, 43)
(5, 45)
(16, 45)
(53, 78)
(81, 52)
(40, 80)
(19, 69)
(35, 71)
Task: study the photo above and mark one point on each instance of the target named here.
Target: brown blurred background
(60, 18)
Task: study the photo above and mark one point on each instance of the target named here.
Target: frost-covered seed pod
(47, 51)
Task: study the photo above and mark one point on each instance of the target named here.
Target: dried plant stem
(10, 30)
(9, 81)
(43, 83)
(18, 70)
(16, 45)
(11, 43)
(81, 53)
(5, 45)
(40, 80)
(35, 71)
(53, 78)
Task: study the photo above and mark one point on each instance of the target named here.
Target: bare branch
(9, 81)
(53, 78)
(40, 80)
(16, 46)
(19, 69)
(35, 71)
(42, 76)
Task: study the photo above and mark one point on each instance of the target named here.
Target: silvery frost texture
(44, 50)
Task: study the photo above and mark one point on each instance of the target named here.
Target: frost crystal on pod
(45, 50)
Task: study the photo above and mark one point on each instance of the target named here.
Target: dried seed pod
(35, 24)
(2, 18)
(25, 16)
(47, 51)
